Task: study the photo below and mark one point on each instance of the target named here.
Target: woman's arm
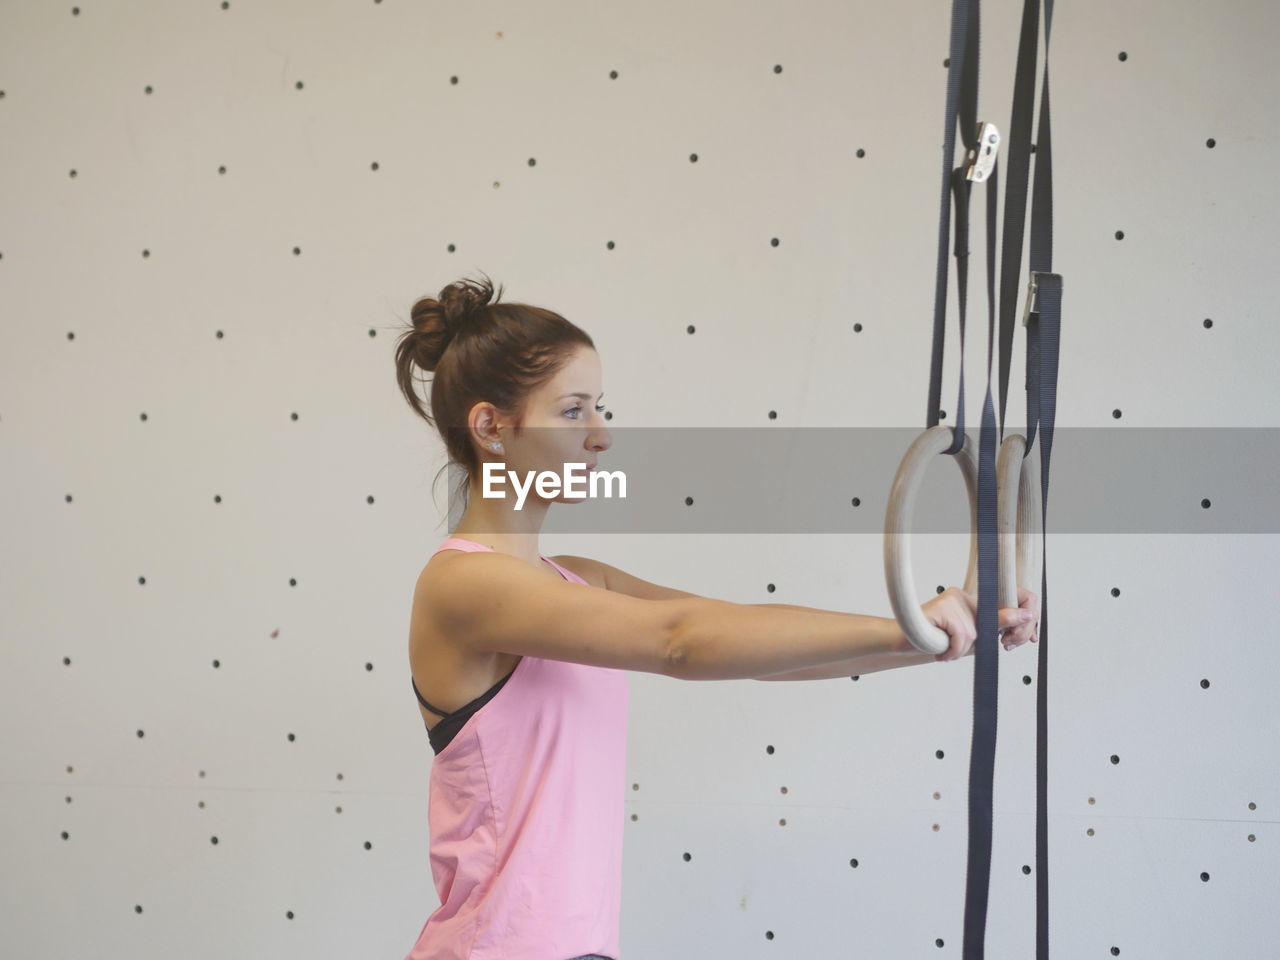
(857, 667)
(854, 667)
(611, 578)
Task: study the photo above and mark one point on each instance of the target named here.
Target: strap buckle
(981, 165)
(1033, 297)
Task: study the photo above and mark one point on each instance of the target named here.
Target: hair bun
(461, 301)
(436, 322)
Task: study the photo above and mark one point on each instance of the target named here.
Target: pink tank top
(526, 816)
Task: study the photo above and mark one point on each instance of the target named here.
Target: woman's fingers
(1014, 630)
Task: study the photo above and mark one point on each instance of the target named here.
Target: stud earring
(495, 446)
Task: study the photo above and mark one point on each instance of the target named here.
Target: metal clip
(980, 167)
(1033, 298)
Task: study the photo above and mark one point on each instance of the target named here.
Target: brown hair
(477, 351)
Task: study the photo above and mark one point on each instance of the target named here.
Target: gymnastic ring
(1018, 528)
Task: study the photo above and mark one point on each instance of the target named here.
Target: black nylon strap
(1043, 338)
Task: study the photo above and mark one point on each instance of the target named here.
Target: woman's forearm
(852, 666)
(719, 640)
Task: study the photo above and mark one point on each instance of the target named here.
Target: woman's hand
(955, 612)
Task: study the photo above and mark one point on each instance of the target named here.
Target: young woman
(520, 661)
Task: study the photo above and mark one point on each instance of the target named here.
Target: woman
(519, 660)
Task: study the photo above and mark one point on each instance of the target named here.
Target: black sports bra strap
(423, 700)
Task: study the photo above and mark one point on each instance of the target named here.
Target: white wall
(222, 334)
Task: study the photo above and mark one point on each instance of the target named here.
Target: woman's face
(563, 424)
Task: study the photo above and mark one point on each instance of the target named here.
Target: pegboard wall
(215, 219)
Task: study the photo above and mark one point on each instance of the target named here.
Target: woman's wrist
(898, 642)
